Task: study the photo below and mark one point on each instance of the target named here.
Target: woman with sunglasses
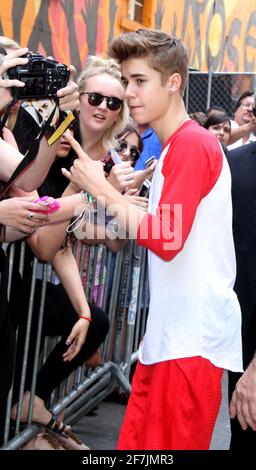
(129, 147)
(103, 114)
(129, 144)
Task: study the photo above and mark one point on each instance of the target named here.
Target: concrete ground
(100, 430)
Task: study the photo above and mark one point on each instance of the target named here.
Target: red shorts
(173, 406)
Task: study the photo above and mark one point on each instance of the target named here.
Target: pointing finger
(66, 173)
(76, 146)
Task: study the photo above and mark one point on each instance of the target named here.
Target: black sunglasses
(95, 99)
(134, 151)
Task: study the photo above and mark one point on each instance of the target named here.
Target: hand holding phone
(52, 205)
(115, 156)
(113, 159)
(144, 190)
(149, 161)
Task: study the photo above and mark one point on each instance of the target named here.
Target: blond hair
(165, 53)
(7, 42)
(95, 65)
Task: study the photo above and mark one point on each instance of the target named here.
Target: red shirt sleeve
(190, 169)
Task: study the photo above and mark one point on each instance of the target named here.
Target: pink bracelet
(85, 318)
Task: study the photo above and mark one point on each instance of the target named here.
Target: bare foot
(94, 360)
(40, 413)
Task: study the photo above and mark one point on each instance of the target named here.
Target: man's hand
(121, 176)
(133, 196)
(141, 175)
(252, 124)
(69, 96)
(243, 402)
(85, 173)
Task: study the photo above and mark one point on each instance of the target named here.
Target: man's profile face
(44, 107)
(146, 95)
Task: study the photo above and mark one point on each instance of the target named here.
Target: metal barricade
(118, 284)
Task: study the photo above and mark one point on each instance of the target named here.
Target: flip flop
(67, 438)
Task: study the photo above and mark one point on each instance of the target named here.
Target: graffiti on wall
(219, 34)
(67, 30)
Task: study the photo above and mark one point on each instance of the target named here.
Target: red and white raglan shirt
(193, 309)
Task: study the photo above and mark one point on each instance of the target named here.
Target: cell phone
(112, 159)
(149, 161)
(51, 204)
(115, 157)
(144, 190)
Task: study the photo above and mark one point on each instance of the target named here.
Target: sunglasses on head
(95, 99)
(134, 151)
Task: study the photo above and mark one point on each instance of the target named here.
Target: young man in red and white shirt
(194, 323)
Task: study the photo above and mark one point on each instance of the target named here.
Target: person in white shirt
(193, 327)
(243, 126)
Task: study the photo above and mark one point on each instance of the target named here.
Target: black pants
(245, 288)
(8, 321)
(59, 319)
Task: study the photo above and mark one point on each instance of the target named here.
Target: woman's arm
(45, 241)
(10, 157)
(67, 270)
(66, 267)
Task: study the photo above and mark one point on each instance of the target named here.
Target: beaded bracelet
(85, 318)
(87, 198)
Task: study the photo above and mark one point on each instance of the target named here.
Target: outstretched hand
(76, 339)
(85, 173)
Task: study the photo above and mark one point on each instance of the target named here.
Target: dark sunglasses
(134, 151)
(95, 99)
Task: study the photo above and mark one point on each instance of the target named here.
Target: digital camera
(42, 77)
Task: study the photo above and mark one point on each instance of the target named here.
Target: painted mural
(220, 34)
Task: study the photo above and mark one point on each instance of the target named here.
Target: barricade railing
(116, 282)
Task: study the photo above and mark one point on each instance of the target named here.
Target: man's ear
(174, 82)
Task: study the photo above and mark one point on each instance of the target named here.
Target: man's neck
(170, 122)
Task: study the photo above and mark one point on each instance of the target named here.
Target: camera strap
(29, 156)
(5, 116)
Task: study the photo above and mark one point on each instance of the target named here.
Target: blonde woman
(103, 114)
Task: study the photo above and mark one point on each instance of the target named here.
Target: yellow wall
(219, 34)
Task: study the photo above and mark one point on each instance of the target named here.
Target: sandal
(66, 437)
